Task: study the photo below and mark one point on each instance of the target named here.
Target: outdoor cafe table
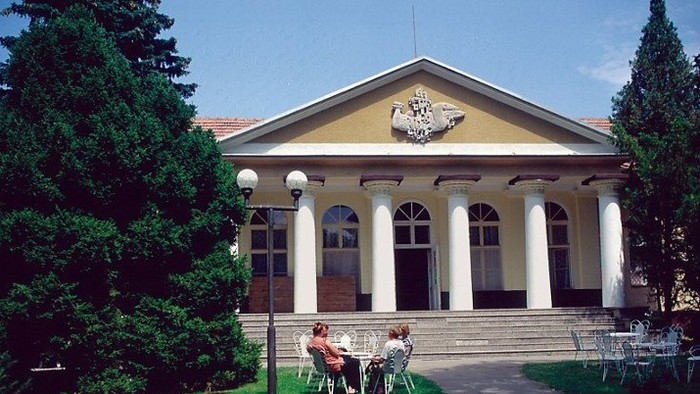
(619, 337)
(625, 335)
(364, 358)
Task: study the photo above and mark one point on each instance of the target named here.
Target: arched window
(558, 243)
(412, 225)
(258, 243)
(341, 249)
(485, 248)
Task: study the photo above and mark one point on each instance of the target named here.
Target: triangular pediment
(361, 116)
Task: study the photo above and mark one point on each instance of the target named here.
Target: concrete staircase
(448, 334)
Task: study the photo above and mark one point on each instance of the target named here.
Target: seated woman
(393, 343)
(336, 360)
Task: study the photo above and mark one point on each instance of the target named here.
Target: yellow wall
(581, 209)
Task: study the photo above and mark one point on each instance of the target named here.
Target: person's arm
(332, 350)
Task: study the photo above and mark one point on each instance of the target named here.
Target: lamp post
(296, 181)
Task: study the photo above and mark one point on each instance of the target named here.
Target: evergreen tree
(134, 24)
(655, 121)
(115, 224)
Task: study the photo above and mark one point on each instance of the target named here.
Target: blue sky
(262, 58)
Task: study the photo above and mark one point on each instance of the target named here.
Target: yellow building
(432, 189)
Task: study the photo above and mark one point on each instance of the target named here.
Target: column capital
(606, 184)
(533, 183)
(607, 187)
(456, 184)
(380, 187)
(311, 188)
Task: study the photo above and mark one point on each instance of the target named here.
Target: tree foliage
(135, 25)
(115, 224)
(656, 121)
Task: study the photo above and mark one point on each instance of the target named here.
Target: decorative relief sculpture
(424, 118)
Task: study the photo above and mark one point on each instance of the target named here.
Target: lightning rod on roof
(415, 47)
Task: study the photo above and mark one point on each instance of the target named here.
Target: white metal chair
(301, 340)
(694, 357)
(581, 347)
(669, 346)
(346, 340)
(378, 334)
(631, 359)
(638, 328)
(393, 365)
(405, 374)
(323, 372)
(606, 352)
(370, 343)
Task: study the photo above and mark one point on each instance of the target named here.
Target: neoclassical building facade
(432, 189)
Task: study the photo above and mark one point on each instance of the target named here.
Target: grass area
(570, 377)
(289, 383)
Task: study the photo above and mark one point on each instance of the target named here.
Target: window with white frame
(258, 243)
(412, 225)
(341, 249)
(558, 245)
(485, 247)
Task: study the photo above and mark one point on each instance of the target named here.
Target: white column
(611, 250)
(460, 261)
(305, 252)
(539, 293)
(383, 279)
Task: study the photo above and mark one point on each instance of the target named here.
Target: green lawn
(564, 376)
(288, 383)
(571, 377)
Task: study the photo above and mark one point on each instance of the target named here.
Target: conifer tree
(134, 24)
(655, 121)
(115, 224)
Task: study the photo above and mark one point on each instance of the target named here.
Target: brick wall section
(335, 294)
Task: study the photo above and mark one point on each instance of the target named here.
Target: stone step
(448, 334)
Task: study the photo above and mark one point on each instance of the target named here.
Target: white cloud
(613, 66)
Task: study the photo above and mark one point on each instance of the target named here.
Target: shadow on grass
(571, 377)
(289, 383)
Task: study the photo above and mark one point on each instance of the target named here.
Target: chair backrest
(408, 350)
(394, 361)
(694, 351)
(304, 341)
(370, 342)
(319, 358)
(670, 336)
(628, 352)
(637, 327)
(604, 344)
(337, 335)
(576, 338)
(347, 340)
(298, 346)
(353, 338)
(378, 334)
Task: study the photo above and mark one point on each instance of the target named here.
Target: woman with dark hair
(337, 361)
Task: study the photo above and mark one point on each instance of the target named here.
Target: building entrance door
(412, 277)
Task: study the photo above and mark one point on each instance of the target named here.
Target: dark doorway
(412, 279)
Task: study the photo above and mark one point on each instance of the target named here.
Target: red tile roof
(600, 123)
(225, 126)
